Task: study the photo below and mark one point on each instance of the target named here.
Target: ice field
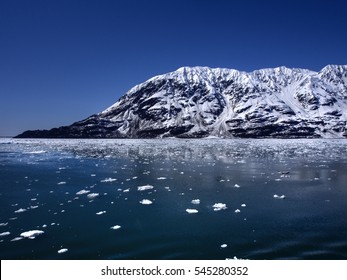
(173, 199)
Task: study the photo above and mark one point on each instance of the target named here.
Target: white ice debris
(224, 245)
(243, 205)
(21, 210)
(5, 233)
(3, 224)
(16, 239)
(144, 188)
(146, 201)
(192, 211)
(161, 178)
(279, 196)
(126, 190)
(236, 186)
(31, 234)
(237, 211)
(195, 201)
(61, 183)
(108, 180)
(37, 152)
(92, 195)
(219, 206)
(61, 251)
(82, 192)
(101, 212)
(116, 227)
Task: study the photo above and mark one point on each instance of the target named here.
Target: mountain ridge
(200, 101)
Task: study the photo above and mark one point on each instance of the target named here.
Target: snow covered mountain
(201, 101)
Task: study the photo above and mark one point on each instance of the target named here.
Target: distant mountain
(201, 102)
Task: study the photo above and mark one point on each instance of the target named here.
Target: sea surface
(173, 199)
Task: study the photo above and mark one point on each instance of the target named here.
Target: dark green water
(43, 177)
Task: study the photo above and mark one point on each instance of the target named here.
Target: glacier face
(201, 101)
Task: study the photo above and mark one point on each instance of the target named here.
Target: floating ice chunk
(126, 190)
(108, 180)
(3, 224)
(161, 178)
(92, 195)
(37, 152)
(192, 211)
(61, 251)
(146, 201)
(144, 188)
(20, 210)
(5, 233)
(101, 212)
(61, 183)
(16, 239)
(219, 206)
(224, 245)
(31, 234)
(237, 211)
(279, 196)
(243, 205)
(34, 207)
(236, 186)
(116, 227)
(195, 201)
(82, 192)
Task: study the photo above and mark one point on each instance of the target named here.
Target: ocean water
(173, 199)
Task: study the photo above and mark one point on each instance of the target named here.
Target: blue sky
(62, 61)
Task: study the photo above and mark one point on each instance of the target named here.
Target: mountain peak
(203, 101)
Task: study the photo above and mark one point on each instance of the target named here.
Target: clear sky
(64, 60)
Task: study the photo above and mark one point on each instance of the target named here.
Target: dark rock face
(201, 102)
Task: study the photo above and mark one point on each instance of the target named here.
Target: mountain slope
(201, 101)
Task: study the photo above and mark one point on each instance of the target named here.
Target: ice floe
(224, 245)
(219, 206)
(20, 210)
(81, 192)
(101, 212)
(236, 186)
(116, 227)
(192, 211)
(37, 152)
(16, 239)
(161, 178)
(195, 201)
(63, 250)
(5, 233)
(146, 201)
(108, 180)
(92, 195)
(279, 196)
(144, 188)
(243, 205)
(61, 183)
(3, 224)
(237, 211)
(31, 234)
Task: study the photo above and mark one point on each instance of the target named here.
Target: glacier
(196, 102)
